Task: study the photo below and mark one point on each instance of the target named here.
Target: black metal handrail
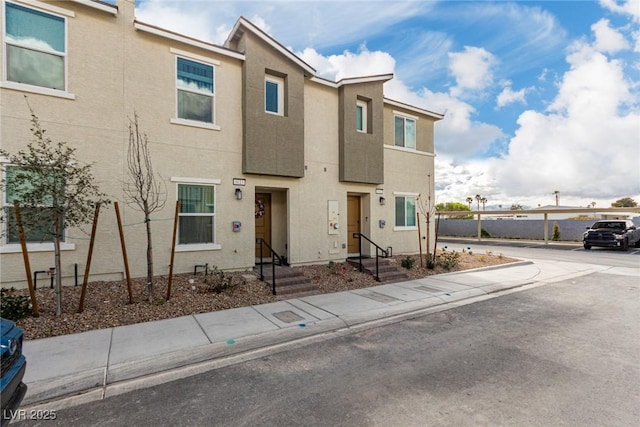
(379, 250)
(274, 257)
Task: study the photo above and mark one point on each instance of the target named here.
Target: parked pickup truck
(13, 368)
(618, 233)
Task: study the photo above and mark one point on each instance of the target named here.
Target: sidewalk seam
(106, 366)
(202, 329)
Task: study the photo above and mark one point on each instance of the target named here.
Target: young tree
(54, 190)
(427, 208)
(143, 190)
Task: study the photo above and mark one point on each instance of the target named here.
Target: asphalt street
(564, 353)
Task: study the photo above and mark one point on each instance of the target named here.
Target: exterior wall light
(382, 200)
(238, 194)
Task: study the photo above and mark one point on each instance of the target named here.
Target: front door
(263, 222)
(353, 223)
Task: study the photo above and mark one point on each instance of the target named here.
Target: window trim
(405, 117)
(42, 90)
(280, 82)
(405, 195)
(363, 105)
(205, 61)
(194, 247)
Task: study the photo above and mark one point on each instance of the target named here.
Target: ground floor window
(36, 220)
(405, 211)
(196, 223)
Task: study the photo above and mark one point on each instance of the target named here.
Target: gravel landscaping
(106, 303)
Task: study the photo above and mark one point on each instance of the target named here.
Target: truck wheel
(625, 245)
(587, 247)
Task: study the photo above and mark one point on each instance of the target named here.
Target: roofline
(187, 40)
(244, 22)
(436, 116)
(365, 79)
(352, 80)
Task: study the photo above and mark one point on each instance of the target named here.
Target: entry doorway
(353, 224)
(263, 222)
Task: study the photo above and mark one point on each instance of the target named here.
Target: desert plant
(13, 307)
(407, 262)
(217, 281)
(449, 260)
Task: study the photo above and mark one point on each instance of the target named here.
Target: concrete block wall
(533, 229)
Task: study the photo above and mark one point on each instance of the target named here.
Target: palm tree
(478, 198)
(484, 203)
(556, 192)
(469, 200)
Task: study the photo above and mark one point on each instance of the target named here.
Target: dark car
(619, 233)
(14, 365)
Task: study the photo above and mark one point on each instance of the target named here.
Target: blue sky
(537, 96)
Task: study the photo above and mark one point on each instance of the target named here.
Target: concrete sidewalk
(97, 364)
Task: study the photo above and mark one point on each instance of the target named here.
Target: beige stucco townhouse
(246, 136)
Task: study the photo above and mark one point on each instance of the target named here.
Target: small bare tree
(54, 190)
(143, 189)
(427, 208)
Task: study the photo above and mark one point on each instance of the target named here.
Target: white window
(361, 116)
(35, 48)
(405, 211)
(36, 222)
(195, 91)
(274, 95)
(197, 217)
(405, 132)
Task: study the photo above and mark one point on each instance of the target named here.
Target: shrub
(407, 262)
(484, 233)
(218, 282)
(449, 260)
(13, 307)
(556, 232)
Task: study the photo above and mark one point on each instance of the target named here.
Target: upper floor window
(34, 47)
(197, 214)
(274, 95)
(195, 86)
(361, 116)
(405, 132)
(405, 211)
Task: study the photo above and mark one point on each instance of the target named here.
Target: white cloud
(582, 145)
(608, 39)
(175, 17)
(472, 69)
(509, 96)
(624, 7)
(349, 64)
(586, 144)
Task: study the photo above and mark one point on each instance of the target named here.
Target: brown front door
(353, 223)
(263, 222)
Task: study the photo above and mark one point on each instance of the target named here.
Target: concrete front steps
(387, 271)
(290, 282)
